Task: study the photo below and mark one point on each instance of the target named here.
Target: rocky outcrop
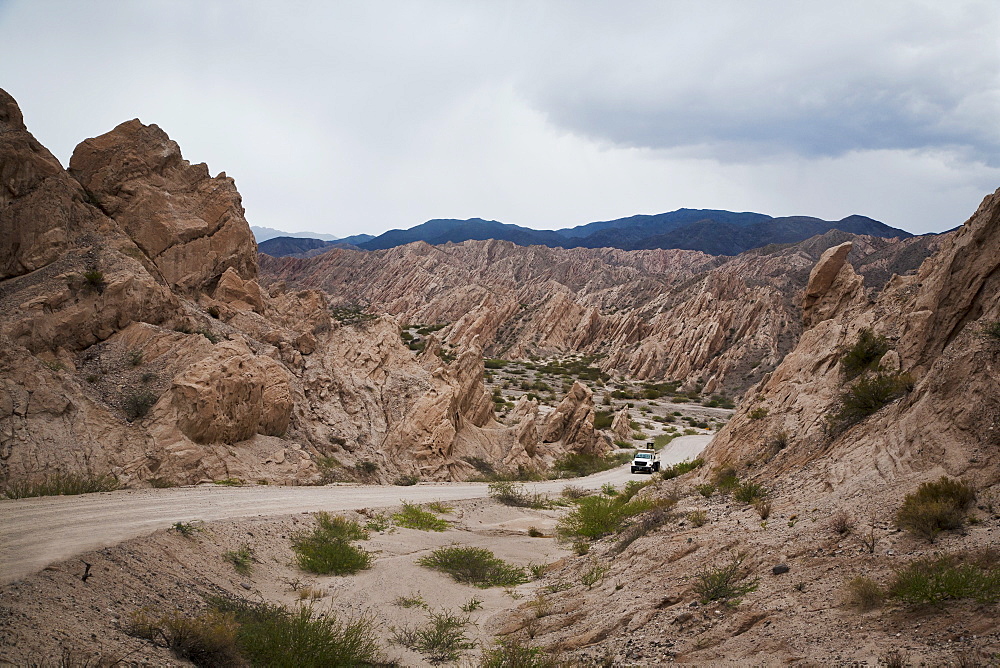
(189, 224)
(621, 425)
(947, 421)
(137, 341)
(661, 314)
(573, 422)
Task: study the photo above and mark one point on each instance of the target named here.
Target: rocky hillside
(135, 340)
(890, 388)
(716, 322)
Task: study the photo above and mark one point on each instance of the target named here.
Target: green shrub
(61, 484)
(441, 640)
(725, 583)
(726, 479)
(935, 507)
(241, 559)
(510, 493)
(134, 357)
(161, 483)
(934, 580)
(596, 516)
(707, 489)
(864, 355)
(867, 396)
(698, 518)
(273, 635)
(512, 653)
(95, 279)
(413, 516)
(326, 548)
(576, 464)
(186, 529)
(366, 467)
(603, 419)
(758, 413)
(863, 593)
(474, 565)
(647, 521)
(992, 329)
(663, 440)
(137, 404)
(593, 575)
(681, 468)
(750, 492)
(406, 480)
(209, 639)
(495, 363)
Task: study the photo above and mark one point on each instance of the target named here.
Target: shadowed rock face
(935, 323)
(135, 339)
(655, 314)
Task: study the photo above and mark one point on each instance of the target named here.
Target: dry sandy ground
(137, 561)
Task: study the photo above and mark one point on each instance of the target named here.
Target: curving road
(40, 531)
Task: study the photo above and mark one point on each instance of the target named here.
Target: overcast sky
(349, 117)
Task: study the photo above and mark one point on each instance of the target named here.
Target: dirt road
(39, 531)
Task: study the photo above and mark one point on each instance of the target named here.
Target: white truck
(646, 460)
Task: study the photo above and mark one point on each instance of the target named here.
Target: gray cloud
(347, 117)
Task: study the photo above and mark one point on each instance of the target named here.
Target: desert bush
(596, 516)
(698, 517)
(646, 522)
(441, 640)
(61, 484)
(593, 575)
(513, 653)
(750, 492)
(95, 279)
(326, 548)
(439, 507)
(366, 467)
(510, 493)
(758, 413)
(934, 580)
(242, 559)
(726, 582)
(935, 507)
(841, 523)
(573, 492)
(473, 604)
(576, 464)
(992, 329)
(413, 601)
(603, 419)
(208, 639)
(161, 483)
(863, 593)
(134, 357)
(535, 532)
(726, 479)
(866, 396)
(706, 490)
(412, 516)
(273, 635)
(681, 468)
(137, 404)
(187, 529)
(406, 480)
(864, 355)
(474, 565)
(763, 507)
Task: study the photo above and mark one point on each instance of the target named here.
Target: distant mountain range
(710, 231)
(305, 247)
(265, 233)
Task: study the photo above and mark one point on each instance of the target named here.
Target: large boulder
(188, 223)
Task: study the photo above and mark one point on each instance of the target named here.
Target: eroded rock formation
(137, 341)
(946, 419)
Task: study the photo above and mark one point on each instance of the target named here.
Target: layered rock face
(135, 340)
(940, 352)
(658, 314)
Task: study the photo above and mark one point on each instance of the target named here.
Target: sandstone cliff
(136, 340)
(659, 314)
(943, 414)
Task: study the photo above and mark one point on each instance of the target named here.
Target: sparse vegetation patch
(474, 565)
(864, 355)
(61, 484)
(327, 550)
(936, 507)
(413, 516)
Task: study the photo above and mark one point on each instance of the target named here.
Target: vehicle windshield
(644, 455)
